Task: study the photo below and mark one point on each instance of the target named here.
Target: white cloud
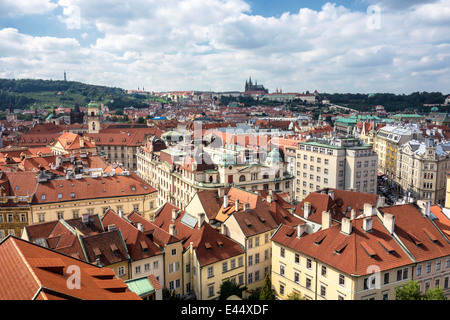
(13, 8)
(215, 45)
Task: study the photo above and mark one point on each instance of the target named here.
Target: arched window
(242, 178)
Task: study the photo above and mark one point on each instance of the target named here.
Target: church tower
(93, 117)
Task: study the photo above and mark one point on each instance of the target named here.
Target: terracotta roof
(211, 246)
(28, 271)
(352, 254)
(135, 240)
(442, 221)
(418, 233)
(340, 205)
(91, 188)
(107, 246)
(73, 141)
(211, 202)
(254, 219)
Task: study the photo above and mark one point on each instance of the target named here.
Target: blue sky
(215, 45)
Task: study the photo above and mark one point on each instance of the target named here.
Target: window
(257, 241)
(250, 260)
(10, 218)
(137, 270)
(121, 271)
(59, 195)
(224, 267)
(240, 261)
(323, 291)
(308, 283)
(174, 252)
(281, 289)
(386, 278)
(60, 215)
(297, 258)
(438, 265)
(282, 252)
(341, 280)
(323, 271)
(296, 277)
(428, 267)
(308, 263)
(155, 265)
(210, 272)
(419, 270)
(282, 270)
(250, 278)
(41, 217)
(211, 291)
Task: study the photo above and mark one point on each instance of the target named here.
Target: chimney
(301, 228)
(221, 192)
(237, 205)
(367, 224)
(269, 198)
(346, 226)
(81, 142)
(331, 194)
(353, 214)
(306, 209)
(121, 213)
(246, 206)
(225, 201)
(172, 230)
(367, 209)
(85, 218)
(428, 208)
(201, 219)
(389, 222)
(140, 227)
(174, 214)
(326, 220)
(223, 229)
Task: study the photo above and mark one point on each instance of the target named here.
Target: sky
(355, 46)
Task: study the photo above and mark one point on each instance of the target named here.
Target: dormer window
(43, 197)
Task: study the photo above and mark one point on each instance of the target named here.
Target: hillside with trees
(47, 94)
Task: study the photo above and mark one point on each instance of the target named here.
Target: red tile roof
(134, 239)
(218, 247)
(352, 254)
(418, 233)
(91, 188)
(28, 271)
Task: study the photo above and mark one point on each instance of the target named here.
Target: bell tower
(93, 117)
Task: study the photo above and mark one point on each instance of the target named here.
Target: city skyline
(351, 46)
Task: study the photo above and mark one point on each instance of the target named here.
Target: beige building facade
(345, 163)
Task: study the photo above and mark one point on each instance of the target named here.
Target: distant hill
(391, 102)
(45, 94)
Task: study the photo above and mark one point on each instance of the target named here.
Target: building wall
(319, 167)
(337, 284)
(173, 276)
(44, 212)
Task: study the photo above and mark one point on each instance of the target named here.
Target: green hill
(46, 94)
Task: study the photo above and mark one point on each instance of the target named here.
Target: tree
(408, 291)
(435, 294)
(295, 296)
(411, 291)
(169, 295)
(267, 293)
(228, 288)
